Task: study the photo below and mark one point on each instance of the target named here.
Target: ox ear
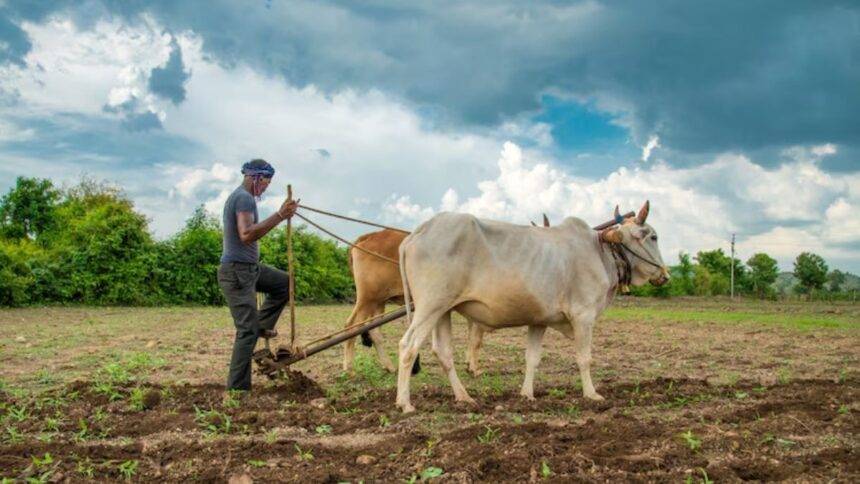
(545, 221)
(643, 213)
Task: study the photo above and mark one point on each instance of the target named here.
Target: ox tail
(407, 299)
(365, 339)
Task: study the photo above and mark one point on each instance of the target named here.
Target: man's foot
(268, 333)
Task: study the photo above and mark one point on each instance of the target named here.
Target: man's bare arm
(250, 231)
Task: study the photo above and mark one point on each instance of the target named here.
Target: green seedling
(128, 469)
(545, 471)
(135, 399)
(13, 436)
(85, 468)
(384, 421)
(557, 392)
(232, 399)
(489, 435)
(257, 463)
(304, 454)
(843, 409)
(44, 461)
(323, 429)
(693, 442)
(213, 421)
(431, 472)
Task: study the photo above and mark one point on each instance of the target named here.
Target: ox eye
(654, 238)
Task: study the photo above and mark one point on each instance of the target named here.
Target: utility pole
(733, 266)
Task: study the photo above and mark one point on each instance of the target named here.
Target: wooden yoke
(291, 269)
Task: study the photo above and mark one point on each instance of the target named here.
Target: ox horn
(545, 221)
(533, 223)
(643, 213)
(617, 215)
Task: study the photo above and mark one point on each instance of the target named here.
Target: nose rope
(628, 249)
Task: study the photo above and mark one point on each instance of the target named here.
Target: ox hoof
(408, 408)
(476, 373)
(528, 396)
(596, 397)
(466, 400)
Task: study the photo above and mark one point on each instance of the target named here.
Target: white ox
(503, 275)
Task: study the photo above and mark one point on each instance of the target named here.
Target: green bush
(322, 271)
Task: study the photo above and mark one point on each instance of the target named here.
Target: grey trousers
(240, 283)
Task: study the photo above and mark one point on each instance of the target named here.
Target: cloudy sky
(731, 117)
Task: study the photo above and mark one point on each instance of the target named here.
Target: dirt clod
(365, 459)
(151, 399)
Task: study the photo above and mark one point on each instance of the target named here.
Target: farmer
(241, 275)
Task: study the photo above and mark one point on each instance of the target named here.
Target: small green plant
(429, 445)
(843, 409)
(304, 454)
(741, 395)
(213, 421)
(107, 388)
(572, 410)
(768, 438)
(489, 435)
(271, 436)
(44, 461)
(13, 436)
(232, 399)
(783, 376)
(85, 468)
(545, 471)
(323, 429)
(693, 442)
(52, 424)
(705, 478)
(135, 399)
(557, 392)
(430, 473)
(257, 463)
(517, 419)
(19, 414)
(45, 377)
(384, 421)
(128, 469)
(785, 442)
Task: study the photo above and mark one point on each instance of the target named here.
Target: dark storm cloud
(704, 76)
(169, 81)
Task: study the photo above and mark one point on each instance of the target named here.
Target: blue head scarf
(258, 169)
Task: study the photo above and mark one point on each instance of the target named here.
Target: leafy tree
(103, 247)
(683, 275)
(763, 273)
(15, 277)
(719, 266)
(810, 271)
(835, 280)
(28, 209)
(188, 262)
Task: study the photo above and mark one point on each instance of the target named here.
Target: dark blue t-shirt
(234, 250)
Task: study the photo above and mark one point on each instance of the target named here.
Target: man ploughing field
(241, 275)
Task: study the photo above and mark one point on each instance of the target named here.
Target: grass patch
(799, 321)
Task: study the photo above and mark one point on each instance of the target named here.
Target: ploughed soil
(653, 430)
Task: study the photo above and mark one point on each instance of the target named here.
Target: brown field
(696, 390)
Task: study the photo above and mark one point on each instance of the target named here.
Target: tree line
(87, 245)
